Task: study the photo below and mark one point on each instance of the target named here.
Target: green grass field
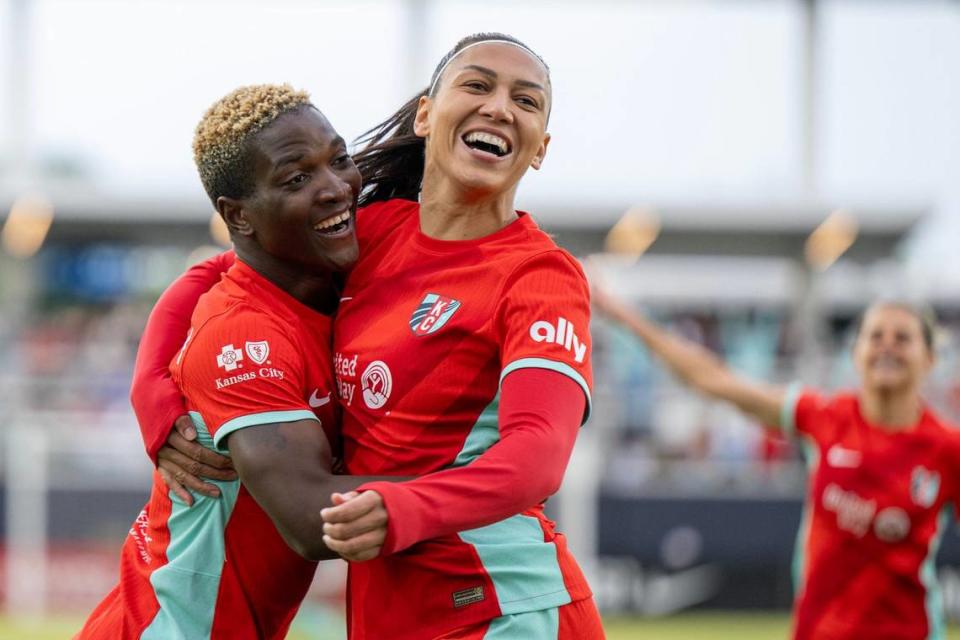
(711, 626)
(691, 626)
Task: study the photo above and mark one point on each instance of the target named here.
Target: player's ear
(234, 216)
(537, 161)
(421, 122)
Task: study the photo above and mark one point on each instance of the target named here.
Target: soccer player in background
(256, 376)
(884, 472)
(461, 348)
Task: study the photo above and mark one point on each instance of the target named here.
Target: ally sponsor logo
(562, 333)
(432, 313)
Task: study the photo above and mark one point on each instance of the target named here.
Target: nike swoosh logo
(837, 456)
(317, 402)
(347, 298)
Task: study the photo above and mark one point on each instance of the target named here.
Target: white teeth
(329, 222)
(487, 138)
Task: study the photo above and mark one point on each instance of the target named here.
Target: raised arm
(696, 366)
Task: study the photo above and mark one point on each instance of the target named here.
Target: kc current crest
(924, 486)
(432, 314)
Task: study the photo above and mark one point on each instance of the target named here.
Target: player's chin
(341, 258)
(489, 181)
(335, 248)
(891, 383)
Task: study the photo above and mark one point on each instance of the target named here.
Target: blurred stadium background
(752, 172)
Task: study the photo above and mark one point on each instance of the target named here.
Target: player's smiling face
(303, 208)
(486, 123)
(890, 352)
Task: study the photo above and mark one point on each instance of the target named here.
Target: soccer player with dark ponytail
(462, 351)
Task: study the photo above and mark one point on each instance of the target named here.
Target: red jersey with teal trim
(219, 569)
(425, 333)
(877, 505)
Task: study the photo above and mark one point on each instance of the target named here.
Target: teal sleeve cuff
(788, 411)
(256, 419)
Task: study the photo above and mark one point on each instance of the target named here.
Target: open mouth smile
(334, 225)
(888, 363)
(486, 142)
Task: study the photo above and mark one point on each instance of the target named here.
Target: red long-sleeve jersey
(432, 343)
(496, 448)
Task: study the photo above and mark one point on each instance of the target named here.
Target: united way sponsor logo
(924, 486)
(229, 357)
(854, 512)
(434, 312)
(376, 384)
(561, 333)
(891, 524)
(258, 351)
(345, 370)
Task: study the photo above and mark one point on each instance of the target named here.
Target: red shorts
(578, 620)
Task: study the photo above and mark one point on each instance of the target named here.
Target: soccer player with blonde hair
(256, 376)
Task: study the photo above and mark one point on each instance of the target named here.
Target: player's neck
(450, 213)
(317, 291)
(891, 411)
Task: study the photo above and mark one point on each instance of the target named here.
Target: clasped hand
(356, 526)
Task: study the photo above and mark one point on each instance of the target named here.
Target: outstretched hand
(182, 462)
(356, 526)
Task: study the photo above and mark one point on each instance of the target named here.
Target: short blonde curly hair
(221, 141)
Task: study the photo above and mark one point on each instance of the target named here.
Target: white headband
(445, 64)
